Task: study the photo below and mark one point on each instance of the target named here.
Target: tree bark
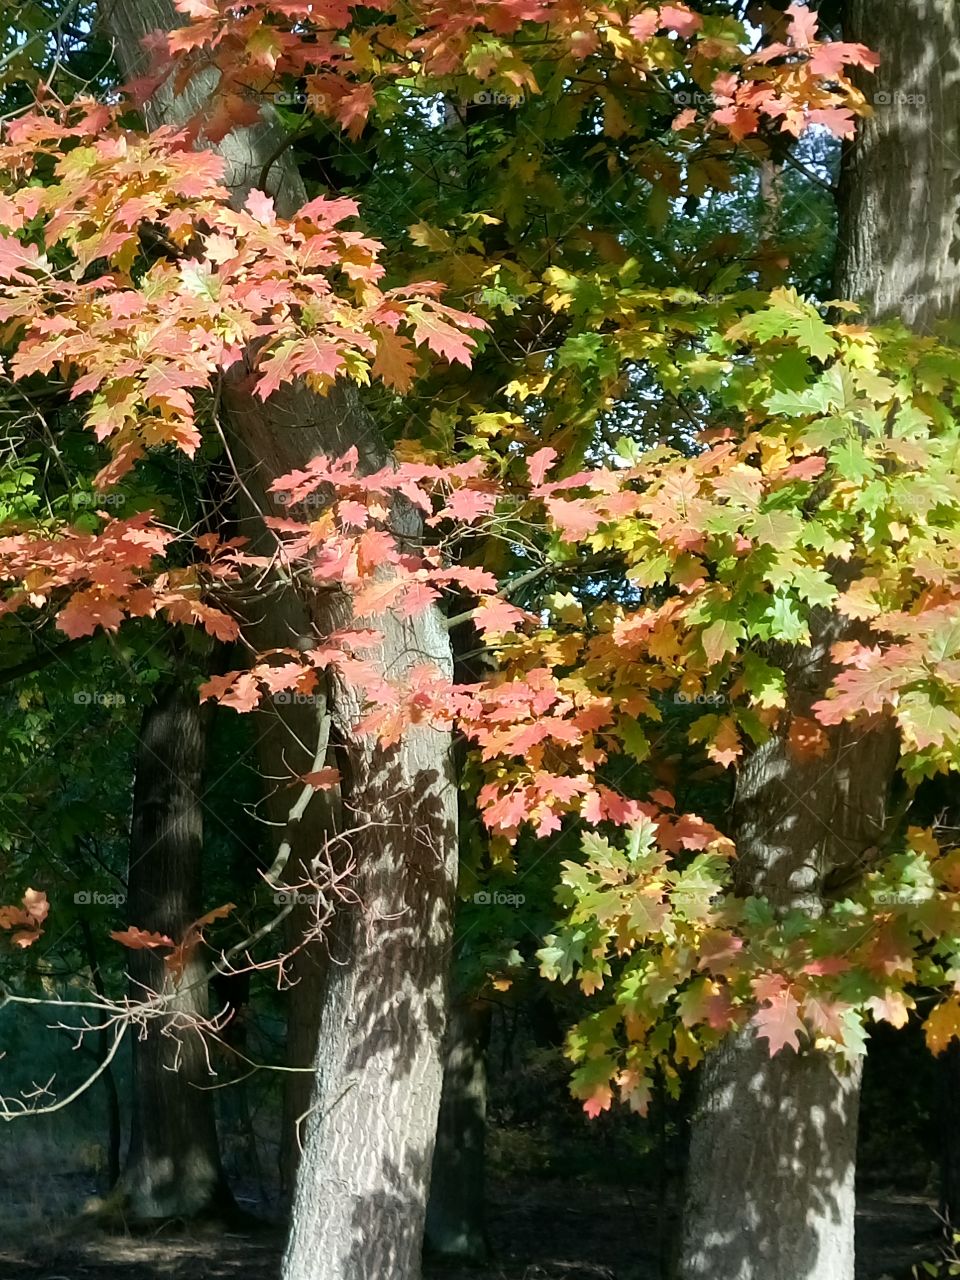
(455, 1212)
(770, 1191)
(173, 1167)
(361, 1193)
(899, 198)
(770, 1179)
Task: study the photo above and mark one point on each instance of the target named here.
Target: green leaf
(777, 529)
(635, 741)
(720, 638)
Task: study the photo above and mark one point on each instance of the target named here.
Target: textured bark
(173, 1166)
(900, 194)
(770, 1190)
(364, 1174)
(361, 1193)
(770, 1180)
(455, 1212)
(368, 1139)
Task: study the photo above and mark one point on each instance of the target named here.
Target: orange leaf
(322, 778)
(140, 939)
(943, 1025)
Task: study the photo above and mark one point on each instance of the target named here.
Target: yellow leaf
(428, 237)
(922, 840)
(943, 1025)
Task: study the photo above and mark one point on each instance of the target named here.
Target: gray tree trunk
(173, 1167)
(361, 1193)
(770, 1177)
(899, 253)
(770, 1189)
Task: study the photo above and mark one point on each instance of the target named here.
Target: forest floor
(544, 1231)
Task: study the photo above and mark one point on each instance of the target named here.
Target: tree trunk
(770, 1183)
(173, 1167)
(770, 1179)
(362, 1188)
(368, 1138)
(364, 1174)
(899, 197)
(770, 1190)
(455, 1212)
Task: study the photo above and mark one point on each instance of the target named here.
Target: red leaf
(140, 939)
(86, 611)
(539, 463)
(830, 59)
(803, 25)
(680, 19)
(439, 335)
(499, 616)
(598, 1102)
(778, 1023)
(644, 25)
(807, 469)
(17, 258)
(838, 120)
(322, 778)
(261, 206)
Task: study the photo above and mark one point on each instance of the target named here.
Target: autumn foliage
(822, 479)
